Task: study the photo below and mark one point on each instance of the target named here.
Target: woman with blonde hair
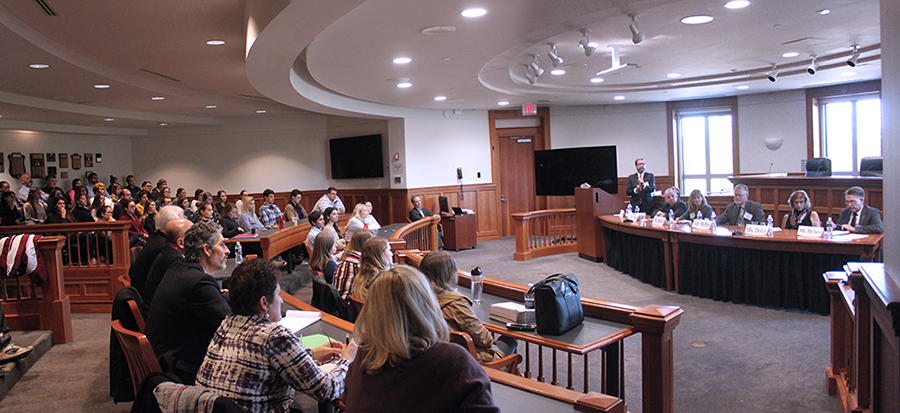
(405, 362)
(375, 257)
(357, 220)
(322, 259)
(801, 212)
(697, 207)
(349, 265)
(34, 209)
(248, 219)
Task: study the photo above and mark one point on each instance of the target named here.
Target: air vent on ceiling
(46, 7)
(796, 41)
(160, 75)
(255, 97)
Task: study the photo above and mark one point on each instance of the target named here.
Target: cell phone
(520, 326)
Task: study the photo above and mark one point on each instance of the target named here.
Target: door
(517, 191)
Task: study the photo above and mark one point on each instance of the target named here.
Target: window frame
(676, 110)
(815, 98)
(821, 135)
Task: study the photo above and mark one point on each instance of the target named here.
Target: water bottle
(712, 217)
(477, 284)
(238, 254)
(671, 217)
(771, 224)
(637, 209)
(529, 305)
(829, 228)
(628, 209)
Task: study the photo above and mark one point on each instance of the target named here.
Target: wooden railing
(654, 323)
(46, 307)
(421, 235)
(546, 232)
(94, 255)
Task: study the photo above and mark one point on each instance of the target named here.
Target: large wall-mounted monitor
(356, 157)
(559, 171)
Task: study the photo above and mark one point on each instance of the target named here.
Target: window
(706, 148)
(850, 129)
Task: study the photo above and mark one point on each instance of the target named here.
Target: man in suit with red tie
(857, 216)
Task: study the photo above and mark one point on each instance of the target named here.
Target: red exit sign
(529, 109)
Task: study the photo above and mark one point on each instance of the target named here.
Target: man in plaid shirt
(269, 212)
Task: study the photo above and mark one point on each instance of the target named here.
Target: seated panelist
(858, 217)
(801, 212)
(742, 211)
(673, 203)
(698, 208)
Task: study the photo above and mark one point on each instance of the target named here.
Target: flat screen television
(356, 157)
(559, 171)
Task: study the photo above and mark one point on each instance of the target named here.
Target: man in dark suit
(858, 217)
(188, 305)
(172, 252)
(155, 243)
(641, 186)
(418, 212)
(741, 212)
(673, 203)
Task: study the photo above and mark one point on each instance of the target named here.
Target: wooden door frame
(541, 142)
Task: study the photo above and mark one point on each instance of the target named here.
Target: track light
(554, 56)
(530, 75)
(773, 74)
(812, 66)
(585, 43)
(636, 35)
(535, 67)
(854, 56)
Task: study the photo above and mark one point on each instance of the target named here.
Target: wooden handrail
(421, 235)
(544, 232)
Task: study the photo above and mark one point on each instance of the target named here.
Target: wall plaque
(16, 164)
(37, 165)
(63, 160)
(88, 160)
(76, 161)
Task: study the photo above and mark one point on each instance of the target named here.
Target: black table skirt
(641, 257)
(768, 278)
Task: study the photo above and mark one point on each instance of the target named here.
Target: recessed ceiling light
(619, 97)
(101, 86)
(597, 80)
(846, 74)
(215, 42)
(108, 120)
(474, 12)
(404, 85)
(163, 124)
(742, 87)
(698, 19)
(261, 111)
(823, 11)
(158, 98)
(737, 4)
(557, 72)
(211, 106)
(402, 60)
(38, 66)
(440, 98)
(673, 75)
(790, 54)
(503, 103)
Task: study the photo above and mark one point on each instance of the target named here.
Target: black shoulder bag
(557, 304)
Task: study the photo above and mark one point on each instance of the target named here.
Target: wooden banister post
(656, 323)
(55, 309)
(522, 236)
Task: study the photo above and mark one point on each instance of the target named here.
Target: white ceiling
(157, 48)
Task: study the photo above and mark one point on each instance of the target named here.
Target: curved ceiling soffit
(276, 65)
(51, 46)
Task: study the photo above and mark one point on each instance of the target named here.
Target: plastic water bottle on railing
(477, 284)
(529, 305)
(712, 217)
(829, 229)
(238, 254)
(771, 224)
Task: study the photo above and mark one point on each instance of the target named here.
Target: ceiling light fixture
(698, 19)
(440, 98)
(158, 98)
(585, 43)
(503, 103)
(854, 56)
(163, 124)
(848, 74)
(555, 60)
(636, 35)
(742, 87)
(535, 67)
(823, 12)
(619, 97)
(615, 62)
(557, 72)
(773, 74)
(261, 111)
(811, 69)
(737, 4)
(215, 42)
(530, 75)
(673, 75)
(474, 12)
(211, 106)
(101, 86)
(402, 60)
(404, 85)
(597, 80)
(789, 55)
(38, 66)
(108, 120)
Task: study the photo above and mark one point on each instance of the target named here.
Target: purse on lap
(557, 304)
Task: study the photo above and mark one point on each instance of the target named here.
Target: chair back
(138, 352)
(327, 299)
(465, 340)
(509, 363)
(138, 315)
(355, 304)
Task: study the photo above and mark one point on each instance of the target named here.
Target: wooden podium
(590, 203)
(459, 231)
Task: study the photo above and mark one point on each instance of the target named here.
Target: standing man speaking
(641, 186)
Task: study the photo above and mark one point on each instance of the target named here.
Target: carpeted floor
(728, 357)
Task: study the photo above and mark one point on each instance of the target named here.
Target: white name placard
(635, 217)
(659, 221)
(702, 224)
(756, 230)
(807, 231)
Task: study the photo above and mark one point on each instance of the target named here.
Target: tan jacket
(457, 310)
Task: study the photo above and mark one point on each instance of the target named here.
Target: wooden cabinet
(459, 231)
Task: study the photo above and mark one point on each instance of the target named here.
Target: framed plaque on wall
(76, 161)
(16, 164)
(51, 157)
(88, 160)
(63, 160)
(37, 165)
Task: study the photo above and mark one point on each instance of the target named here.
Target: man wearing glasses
(742, 211)
(858, 217)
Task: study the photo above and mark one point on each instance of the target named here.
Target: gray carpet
(754, 359)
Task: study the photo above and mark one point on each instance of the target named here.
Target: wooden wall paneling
(488, 227)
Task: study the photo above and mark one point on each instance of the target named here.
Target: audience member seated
(801, 212)
(293, 211)
(161, 185)
(22, 195)
(418, 212)
(240, 202)
(269, 212)
(58, 212)
(331, 219)
(10, 214)
(698, 208)
(188, 306)
(330, 200)
(376, 256)
(858, 217)
(349, 265)
(100, 189)
(221, 200)
(248, 220)
(741, 212)
(34, 208)
(92, 179)
(147, 187)
(137, 235)
(228, 221)
(258, 363)
(205, 212)
(131, 184)
(673, 203)
(120, 206)
(49, 186)
(316, 224)
(172, 252)
(198, 198)
(4, 186)
(371, 222)
(155, 243)
(149, 218)
(181, 193)
(322, 259)
(141, 201)
(440, 269)
(104, 238)
(405, 362)
(185, 205)
(77, 187)
(357, 220)
(80, 211)
(98, 201)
